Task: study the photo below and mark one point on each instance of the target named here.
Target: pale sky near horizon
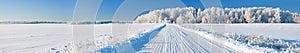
(62, 10)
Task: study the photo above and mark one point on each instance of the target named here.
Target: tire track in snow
(173, 39)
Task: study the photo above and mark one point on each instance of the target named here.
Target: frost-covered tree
(218, 15)
(180, 20)
(168, 15)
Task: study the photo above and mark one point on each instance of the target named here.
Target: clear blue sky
(62, 10)
(36, 9)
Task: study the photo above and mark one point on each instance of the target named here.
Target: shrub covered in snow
(278, 45)
(217, 15)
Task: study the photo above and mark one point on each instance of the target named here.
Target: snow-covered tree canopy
(217, 15)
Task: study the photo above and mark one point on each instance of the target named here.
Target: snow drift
(133, 44)
(218, 15)
(264, 43)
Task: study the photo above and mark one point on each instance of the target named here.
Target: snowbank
(218, 15)
(264, 43)
(133, 44)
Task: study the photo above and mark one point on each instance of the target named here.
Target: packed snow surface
(173, 39)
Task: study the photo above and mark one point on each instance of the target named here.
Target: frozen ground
(154, 38)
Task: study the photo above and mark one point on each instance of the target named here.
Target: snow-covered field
(41, 38)
(260, 37)
(154, 38)
(26, 38)
(282, 31)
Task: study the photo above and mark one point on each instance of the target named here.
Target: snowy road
(173, 39)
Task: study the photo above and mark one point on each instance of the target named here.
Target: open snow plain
(281, 31)
(154, 38)
(41, 38)
(260, 37)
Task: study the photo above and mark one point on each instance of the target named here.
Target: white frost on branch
(165, 15)
(217, 15)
